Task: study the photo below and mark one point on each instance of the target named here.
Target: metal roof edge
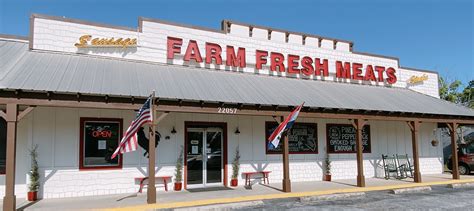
(442, 100)
(215, 102)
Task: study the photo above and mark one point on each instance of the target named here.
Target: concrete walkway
(218, 195)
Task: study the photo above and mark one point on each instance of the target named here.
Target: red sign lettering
(307, 64)
(101, 133)
(321, 67)
(295, 64)
(174, 46)
(261, 59)
(233, 60)
(213, 51)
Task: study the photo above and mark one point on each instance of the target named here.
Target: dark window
(302, 139)
(99, 139)
(341, 138)
(3, 144)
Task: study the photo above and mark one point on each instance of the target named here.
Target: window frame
(309, 124)
(83, 121)
(369, 140)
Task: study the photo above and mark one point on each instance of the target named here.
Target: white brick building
(71, 89)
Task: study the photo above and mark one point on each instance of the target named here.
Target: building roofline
(226, 21)
(378, 55)
(420, 70)
(78, 21)
(155, 20)
(14, 37)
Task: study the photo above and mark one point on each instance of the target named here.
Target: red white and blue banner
(275, 137)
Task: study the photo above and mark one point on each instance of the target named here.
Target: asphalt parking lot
(439, 198)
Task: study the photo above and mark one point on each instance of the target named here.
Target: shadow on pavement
(129, 196)
(23, 207)
(208, 189)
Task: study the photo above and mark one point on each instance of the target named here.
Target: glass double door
(204, 157)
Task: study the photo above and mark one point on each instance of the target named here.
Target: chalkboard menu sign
(302, 138)
(341, 138)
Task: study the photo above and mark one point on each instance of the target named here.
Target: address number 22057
(226, 110)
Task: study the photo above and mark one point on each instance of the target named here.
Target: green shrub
(236, 164)
(34, 173)
(327, 165)
(179, 167)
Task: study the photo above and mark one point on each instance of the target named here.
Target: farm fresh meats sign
(291, 64)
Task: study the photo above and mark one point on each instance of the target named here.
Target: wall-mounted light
(173, 131)
(237, 131)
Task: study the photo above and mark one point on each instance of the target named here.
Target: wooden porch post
(359, 124)
(9, 200)
(414, 127)
(151, 190)
(286, 164)
(454, 149)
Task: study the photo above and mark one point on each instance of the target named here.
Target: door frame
(193, 124)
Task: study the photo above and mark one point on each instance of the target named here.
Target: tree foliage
(467, 95)
(449, 90)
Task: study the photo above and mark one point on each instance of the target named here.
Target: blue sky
(434, 35)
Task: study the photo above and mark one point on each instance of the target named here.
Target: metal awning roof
(21, 69)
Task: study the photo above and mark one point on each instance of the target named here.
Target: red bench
(249, 174)
(141, 181)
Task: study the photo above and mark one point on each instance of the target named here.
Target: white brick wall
(428, 87)
(56, 131)
(57, 35)
(61, 36)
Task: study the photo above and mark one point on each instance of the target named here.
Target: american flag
(129, 141)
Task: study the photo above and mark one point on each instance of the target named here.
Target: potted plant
(33, 187)
(327, 168)
(235, 169)
(179, 169)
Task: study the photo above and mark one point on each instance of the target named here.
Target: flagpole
(151, 190)
(286, 183)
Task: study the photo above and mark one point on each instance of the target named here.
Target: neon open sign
(101, 134)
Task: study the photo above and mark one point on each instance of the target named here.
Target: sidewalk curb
(336, 196)
(411, 190)
(239, 200)
(235, 205)
(461, 185)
